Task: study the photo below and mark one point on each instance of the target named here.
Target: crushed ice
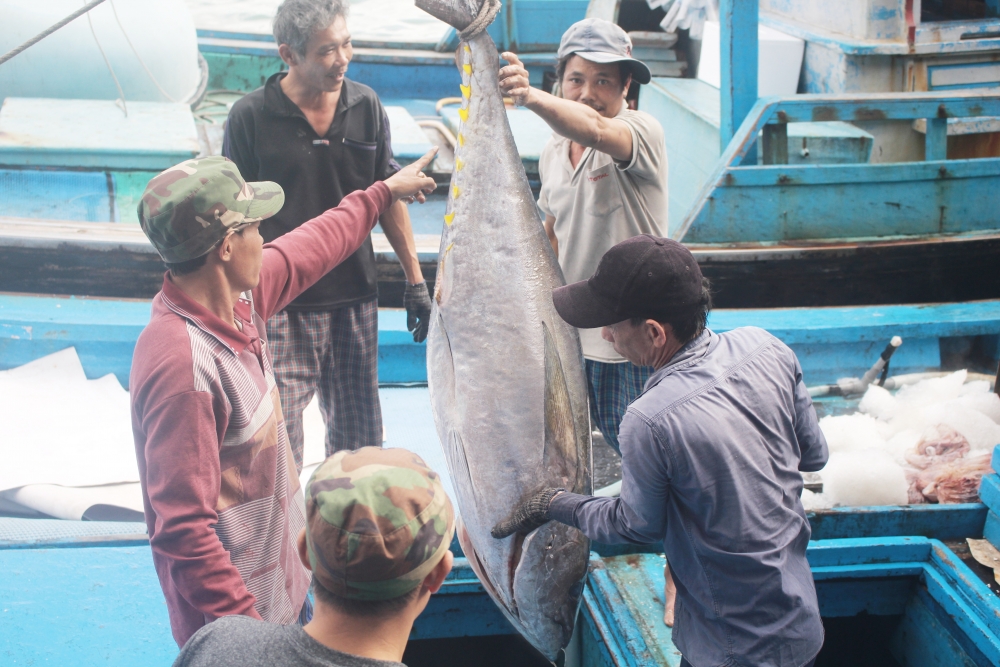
(930, 442)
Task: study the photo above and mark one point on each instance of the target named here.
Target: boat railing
(777, 202)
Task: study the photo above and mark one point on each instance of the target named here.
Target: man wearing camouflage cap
(222, 501)
(378, 529)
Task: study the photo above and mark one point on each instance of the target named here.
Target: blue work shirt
(711, 454)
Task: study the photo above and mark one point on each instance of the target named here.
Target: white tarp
(66, 442)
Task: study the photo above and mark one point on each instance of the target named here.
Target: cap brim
(639, 70)
(582, 308)
(268, 198)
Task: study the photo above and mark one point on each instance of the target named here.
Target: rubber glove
(529, 515)
(417, 301)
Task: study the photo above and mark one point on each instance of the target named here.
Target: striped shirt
(223, 504)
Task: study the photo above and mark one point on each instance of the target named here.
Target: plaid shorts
(612, 388)
(336, 353)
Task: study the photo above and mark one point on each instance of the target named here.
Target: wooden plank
(989, 490)
(861, 550)
(944, 522)
(963, 615)
(936, 139)
(843, 174)
(775, 144)
(738, 40)
(840, 597)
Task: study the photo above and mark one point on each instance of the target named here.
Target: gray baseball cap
(601, 41)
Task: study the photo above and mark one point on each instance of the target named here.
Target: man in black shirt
(322, 136)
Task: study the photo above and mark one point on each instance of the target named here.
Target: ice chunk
(902, 443)
(986, 403)
(879, 403)
(852, 432)
(864, 477)
(933, 390)
(815, 501)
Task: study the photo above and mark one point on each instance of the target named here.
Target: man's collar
(690, 354)
(278, 103)
(178, 301)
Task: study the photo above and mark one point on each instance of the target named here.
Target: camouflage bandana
(377, 522)
(190, 207)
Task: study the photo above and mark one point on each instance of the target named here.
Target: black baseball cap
(645, 276)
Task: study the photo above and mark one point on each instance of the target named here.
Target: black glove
(417, 301)
(529, 515)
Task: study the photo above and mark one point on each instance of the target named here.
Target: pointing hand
(411, 183)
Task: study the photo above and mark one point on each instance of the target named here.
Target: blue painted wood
(943, 522)
(98, 605)
(989, 491)
(830, 342)
(65, 195)
(995, 459)
(738, 41)
(922, 640)
(991, 529)
(936, 139)
(878, 597)
(879, 550)
(845, 201)
(955, 613)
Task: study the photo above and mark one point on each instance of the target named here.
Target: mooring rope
(487, 12)
(120, 102)
(48, 31)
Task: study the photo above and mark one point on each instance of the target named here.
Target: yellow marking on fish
(450, 246)
(461, 139)
(467, 68)
(459, 163)
(463, 114)
(449, 218)
(455, 192)
(466, 91)
(467, 49)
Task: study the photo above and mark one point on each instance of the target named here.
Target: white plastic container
(68, 64)
(779, 60)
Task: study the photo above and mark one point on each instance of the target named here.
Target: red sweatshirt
(223, 503)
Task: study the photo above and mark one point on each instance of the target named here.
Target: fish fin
(454, 447)
(560, 453)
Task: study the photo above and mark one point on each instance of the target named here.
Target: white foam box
(779, 60)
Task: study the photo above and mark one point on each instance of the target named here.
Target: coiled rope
(487, 12)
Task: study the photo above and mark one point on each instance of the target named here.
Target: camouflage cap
(377, 522)
(190, 207)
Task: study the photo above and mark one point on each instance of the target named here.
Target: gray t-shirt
(241, 641)
(602, 202)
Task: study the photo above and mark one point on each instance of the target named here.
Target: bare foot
(669, 596)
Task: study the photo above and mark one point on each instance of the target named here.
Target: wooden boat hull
(106, 260)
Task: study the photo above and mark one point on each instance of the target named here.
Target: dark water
(858, 641)
(494, 651)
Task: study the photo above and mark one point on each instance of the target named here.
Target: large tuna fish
(506, 374)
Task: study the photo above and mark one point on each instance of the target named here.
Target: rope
(487, 12)
(121, 93)
(45, 33)
(138, 57)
